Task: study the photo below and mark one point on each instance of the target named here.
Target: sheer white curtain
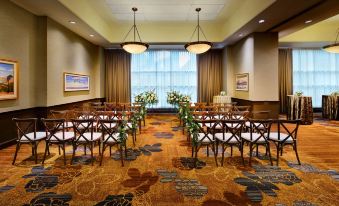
(164, 70)
(315, 73)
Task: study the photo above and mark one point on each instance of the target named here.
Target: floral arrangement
(174, 97)
(140, 98)
(151, 97)
(298, 93)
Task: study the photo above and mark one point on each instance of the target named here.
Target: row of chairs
(234, 132)
(89, 129)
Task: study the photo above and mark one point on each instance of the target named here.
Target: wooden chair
(67, 115)
(258, 135)
(110, 134)
(230, 135)
(205, 137)
(28, 134)
(286, 135)
(85, 135)
(56, 134)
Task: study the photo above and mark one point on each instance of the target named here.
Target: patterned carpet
(160, 171)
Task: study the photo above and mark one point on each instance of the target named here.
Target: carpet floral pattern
(159, 170)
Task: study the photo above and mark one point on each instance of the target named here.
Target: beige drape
(118, 76)
(209, 75)
(285, 77)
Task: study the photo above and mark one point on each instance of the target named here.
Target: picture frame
(76, 82)
(9, 79)
(241, 81)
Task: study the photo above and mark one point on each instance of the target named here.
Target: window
(315, 73)
(164, 71)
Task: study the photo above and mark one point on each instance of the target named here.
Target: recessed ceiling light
(72, 22)
(261, 21)
(91, 35)
(308, 21)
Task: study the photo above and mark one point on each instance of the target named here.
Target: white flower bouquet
(151, 97)
(140, 98)
(185, 98)
(173, 97)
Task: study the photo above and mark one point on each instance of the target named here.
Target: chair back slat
(25, 126)
(233, 127)
(54, 126)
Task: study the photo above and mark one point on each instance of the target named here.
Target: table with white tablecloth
(222, 99)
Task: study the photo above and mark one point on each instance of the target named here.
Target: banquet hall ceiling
(172, 22)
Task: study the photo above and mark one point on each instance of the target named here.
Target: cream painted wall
(258, 56)
(68, 52)
(44, 50)
(266, 87)
(21, 39)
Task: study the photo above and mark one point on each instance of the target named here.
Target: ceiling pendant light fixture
(333, 48)
(198, 47)
(134, 47)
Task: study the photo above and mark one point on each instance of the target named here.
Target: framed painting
(8, 79)
(241, 81)
(76, 82)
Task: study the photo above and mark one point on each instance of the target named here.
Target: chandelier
(333, 48)
(134, 47)
(198, 47)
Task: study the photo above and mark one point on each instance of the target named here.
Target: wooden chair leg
(281, 151)
(64, 150)
(269, 152)
(46, 149)
(121, 156)
(59, 149)
(16, 152)
(85, 148)
(110, 150)
(36, 153)
(296, 152)
(231, 150)
(278, 148)
(257, 151)
(208, 151)
(74, 148)
(241, 147)
(222, 155)
(216, 154)
(102, 153)
(251, 150)
(92, 157)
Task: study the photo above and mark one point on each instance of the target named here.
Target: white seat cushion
(68, 136)
(240, 117)
(219, 136)
(110, 139)
(30, 136)
(233, 125)
(255, 136)
(96, 137)
(205, 140)
(274, 136)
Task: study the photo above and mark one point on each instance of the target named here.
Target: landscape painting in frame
(8, 79)
(241, 82)
(76, 82)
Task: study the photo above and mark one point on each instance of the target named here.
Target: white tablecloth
(222, 99)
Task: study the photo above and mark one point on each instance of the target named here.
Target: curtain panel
(285, 77)
(118, 76)
(315, 73)
(209, 75)
(164, 71)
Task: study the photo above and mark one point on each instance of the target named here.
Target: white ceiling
(167, 10)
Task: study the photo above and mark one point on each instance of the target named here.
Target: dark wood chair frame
(235, 130)
(80, 127)
(22, 131)
(256, 126)
(291, 133)
(54, 126)
(109, 131)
